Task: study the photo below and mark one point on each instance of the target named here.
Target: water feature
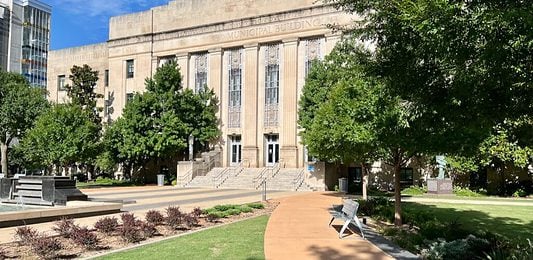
(9, 208)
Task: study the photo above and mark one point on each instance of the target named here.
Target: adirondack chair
(348, 213)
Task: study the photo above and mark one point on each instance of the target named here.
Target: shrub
(25, 235)
(147, 229)
(225, 207)
(154, 217)
(64, 227)
(106, 225)
(256, 205)
(231, 212)
(174, 182)
(414, 191)
(174, 217)
(520, 193)
(130, 233)
(3, 253)
(466, 192)
(197, 212)
(190, 220)
(84, 237)
(128, 219)
(468, 248)
(214, 216)
(45, 247)
(245, 209)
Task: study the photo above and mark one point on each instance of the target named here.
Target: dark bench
(348, 213)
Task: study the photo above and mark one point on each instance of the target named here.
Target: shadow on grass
(513, 222)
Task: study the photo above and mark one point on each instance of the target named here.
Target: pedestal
(440, 186)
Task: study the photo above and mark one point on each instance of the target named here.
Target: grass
(103, 182)
(241, 240)
(513, 222)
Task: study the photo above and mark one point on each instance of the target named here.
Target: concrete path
(298, 229)
(152, 197)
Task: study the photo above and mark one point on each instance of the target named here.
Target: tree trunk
(397, 192)
(365, 172)
(4, 158)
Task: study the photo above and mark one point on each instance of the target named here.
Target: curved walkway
(298, 229)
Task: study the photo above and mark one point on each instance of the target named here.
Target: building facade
(254, 54)
(25, 39)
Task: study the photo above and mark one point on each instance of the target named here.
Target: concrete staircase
(287, 179)
(251, 178)
(207, 181)
(245, 179)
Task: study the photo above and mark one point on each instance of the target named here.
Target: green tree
(20, 104)
(82, 91)
(157, 124)
(355, 118)
(463, 66)
(62, 136)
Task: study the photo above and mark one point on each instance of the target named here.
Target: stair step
(30, 201)
(28, 193)
(29, 187)
(30, 181)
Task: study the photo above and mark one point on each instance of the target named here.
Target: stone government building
(254, 54)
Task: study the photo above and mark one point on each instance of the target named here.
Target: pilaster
(250, 150)
(183, 63)
(331, 40)
(288, 135)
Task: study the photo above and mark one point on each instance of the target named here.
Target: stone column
(154, 65)
(183, 63)
(331, 41)
(250, 150)
(215, 74)
(289, 89)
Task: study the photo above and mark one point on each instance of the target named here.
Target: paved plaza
(141, 199)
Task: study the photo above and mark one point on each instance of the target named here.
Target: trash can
(160, 179)
(343, 184)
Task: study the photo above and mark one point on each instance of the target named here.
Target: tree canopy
(62, 136)
(463, 66)
(82, 91)
(20, 104)
(157, 123)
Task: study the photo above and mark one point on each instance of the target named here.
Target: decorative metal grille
(235, 88)
(200, 75)
(271, 115)
(164, 60)
(272, 76)
(312, 52)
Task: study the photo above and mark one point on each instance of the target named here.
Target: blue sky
(82, 22)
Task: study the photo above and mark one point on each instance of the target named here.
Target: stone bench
(348, 213)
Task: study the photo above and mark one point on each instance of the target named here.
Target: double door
(272, 150)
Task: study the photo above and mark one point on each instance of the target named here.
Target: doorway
(235, 150)
(272, 150)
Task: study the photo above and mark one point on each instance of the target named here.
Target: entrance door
(235, 150)
(272, 150)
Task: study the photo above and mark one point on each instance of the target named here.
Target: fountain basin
(73, 209)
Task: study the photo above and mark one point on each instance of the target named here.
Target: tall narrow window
(235, 87)
(129, 97)
(272, 76)
(61, 83)
(200, 75)
(130, 69)
(106, 78)
(312, 53)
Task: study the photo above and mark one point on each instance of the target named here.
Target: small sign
(310, 168)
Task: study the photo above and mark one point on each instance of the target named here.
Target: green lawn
(513, 222)
(241, 240)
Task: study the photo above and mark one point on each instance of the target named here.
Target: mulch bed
(112, 242)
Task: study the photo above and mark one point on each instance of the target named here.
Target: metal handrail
(186, 178)
(260, 178)
(220, 178)
(300, 178)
